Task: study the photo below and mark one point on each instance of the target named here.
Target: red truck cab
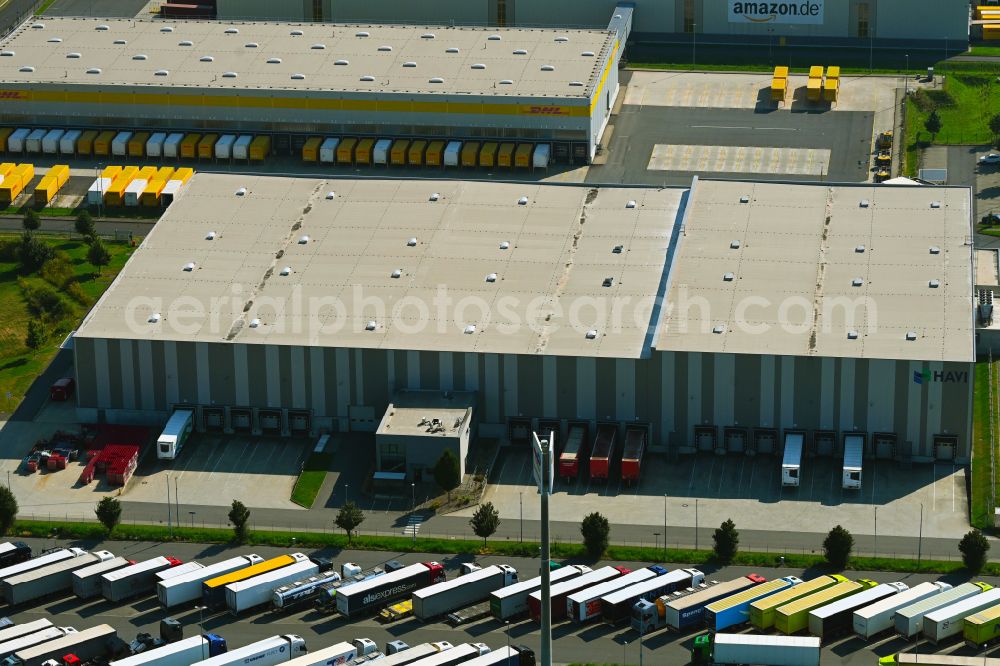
(62, 389)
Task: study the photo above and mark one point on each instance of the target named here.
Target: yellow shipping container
(151, 195)
(397, 154)
(505, 156)
(310, 149)
(345, 151)
(25, 172)
(6, 168)
(415, 153)
(183, 174)
(189, 146)
(991, 31)
(111, 172)
(85, 144)
(779, 90)
(470, 153)
(833, 72)
(137, 144)
(816, 72)
(831, 88)
(45, 190)
(115, 192)
(363, 153)
(164, 173)
(60, 172)
(488, 155)
(522, 156)
(146, 173)
(435, 150)
(206, 146)
(781, 72)
(9, 192)
(5, 133)
(102, 144)
(260, 148)
(814, 89)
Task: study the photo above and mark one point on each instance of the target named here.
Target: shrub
(31, 220)
(98, 255)
(485, 521)
(36, 334)
(595, 530)
(76, 292)
(84, 225)
(726, 542)
(239, 515)
(349, 518)
(44, 302)
(109, 512)
(8, 509)
(57, 271)
(974, 547)
(838, 546)
(32, 253)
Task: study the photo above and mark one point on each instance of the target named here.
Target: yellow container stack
(505, 156)
(85, 144)
(14, 182)
(310, 149)
(488, 155)
(470, 153)
(831, 87)
(779, 84)
(49, 185)
(435, 151)
(115, 195)
(345, 151)
(814, 87)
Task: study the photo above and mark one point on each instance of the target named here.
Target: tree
(239, 515)
(485, 521)
(595, 530)
(726, 542)
(446, 472)
(31, 220)
(8, 509)
(84, 225)
(974, 547)
(109, 512)
(349, 518)
(995, 128)
(32, 253)
(837, 546)
(98, 255)
(933, 124)
(36, 334)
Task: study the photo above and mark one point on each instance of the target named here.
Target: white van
(791, 462)
(175, 433)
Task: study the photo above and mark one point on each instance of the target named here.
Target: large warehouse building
(295, 80)
(722, 316)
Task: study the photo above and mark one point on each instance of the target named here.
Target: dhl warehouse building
(291, 81)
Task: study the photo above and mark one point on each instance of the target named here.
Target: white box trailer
(540, 158)
(133, 193)
(33, 144)
(791, 461)
(134, 580)
(187, 587)
(586, 604)
(50, 142)
(835, 618)
(854, 447)
(181, 653)
(86, 644)
(877, 617)
(175, 433)
(95, 193)
(170, 191)
(67, 144)
(48, 580)
(442, 598)
(512, 601)
(334, 655)
(41, 561)
(119, 144)
(452, 153)
(270, 651)
(18, 630)
(328, 150)
(15, 142)
(909, 621)
(154, 145)
(765, 650)
(241, 147)
(180, 570)
(456, 655)
(172, 146)
(224, 146)
(11, 646)
(246, 594)
(87, 581)
(380, 154)
(514, 655)
(413, 654)
(948, 621)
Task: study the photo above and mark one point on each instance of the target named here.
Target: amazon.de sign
(802, 12)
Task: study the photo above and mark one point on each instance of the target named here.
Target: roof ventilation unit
(608, 281)
(41, 26)
(102, 27)
(229, 75)
(341, 62)
(520, 52)
(494, 38)
(745, 198)
(719, 329)
(368, 78)
(185, 42)
(492, 277)
(397, 273)
(251, 45)
(74, 56)
(274, 61)
(165, 28)
(523, 201)
(370, 326)
(162, 72)
(934, 284)
(506, 82)
(189, 266)
(728, 277)
(504, 245)
(860, 249)
(362, 33)
(385, 47)
(435, 196)
(587, 54)
(562, 38)
(7, 54)
(591, 334)
(140, 56)
(123, 42)
(303, 240)
(29, 69)
(437, 79)
(864, 203)
(241, 192)
(296, 33)
(331, 195)
(206, 59)
(92, 70)
(630, 203)
(410, 63)
(478, 65)
(935, 204)
(911, 335)
(451, 49)
(298, 77)
(734, 245)
(548, 68)
(232, 31)
(935, 249)
(318, 47)
(54, 40)
(254, 323)
(210, 235)
(576, 83)
(411, 242)
(427, 35)
(154, 318)
(857, 282)
(470, 329)
(852, 335)
(287, 270)
(617, 249)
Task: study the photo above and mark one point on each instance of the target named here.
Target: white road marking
(736, 127)
(739, 159)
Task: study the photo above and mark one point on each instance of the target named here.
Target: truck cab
(510, 575)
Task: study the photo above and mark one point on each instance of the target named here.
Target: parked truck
(335, 655)
(604, 451)
(457, 655)
(300, 592)
(514, 655)
(909, 621)
(85, 645)
(835, 619)
(585, 604)
(791, 460)
(186, 588)
(48, 580)
(754, 649)
(561, 591)
(688, 612)
(175, 434)
(270, 651)
(854, 446)
(907, 658)
(635, 447)
(213, 590)
(181, 653)
(18, 630)
(877, 618)
(444, 597)
(350, 574)
(575, 454)
(616, 607)
(179, 570)
(14, 552)
(134, 580)
(982, 628)
(43, 560)
(794, 617)
(403, 656)
(735, 610)
(510, 602)
(369, 595)
(243, 595)
(947, 622)
(50, 633)
(87, 581)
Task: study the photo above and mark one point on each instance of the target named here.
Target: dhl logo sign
(548, 111)
(13, 94)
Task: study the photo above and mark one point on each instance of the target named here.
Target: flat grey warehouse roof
(399, 264)
(823, 270)
(321, 57)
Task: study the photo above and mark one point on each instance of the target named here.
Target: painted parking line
(739, 159)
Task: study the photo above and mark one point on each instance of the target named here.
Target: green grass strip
(311, 479)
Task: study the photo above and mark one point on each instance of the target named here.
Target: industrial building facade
(701, 376)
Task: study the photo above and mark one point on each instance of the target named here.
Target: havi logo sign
(803, 12)
(949, 377)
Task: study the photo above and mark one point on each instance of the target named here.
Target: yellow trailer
(111, 171)
(114, 196)
(779, 90)
(505, 156)
(435, 153)
(137, 144)
(150, 196)
(5, 133)
(794, 617)
(814, 89)
(102, 143)
(60, 172)
(488, 155)
(833, 72)
(831, 90)
(816, 72)
(781, 72)
(9, 191)
(45, 190)
(189, 146)
(206, 146)
(183, 174)
(762, 611)
(164, 173)
(397, 154)
(522, 156)
(310, 149)
(24, 172)
(260, 148)
(991, 31)
(345, 151)
(6, 168)
(146, 173)
(415, 153)
(363, 153)
(85, 144)
(470, 153)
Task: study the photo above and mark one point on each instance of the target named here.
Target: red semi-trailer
(574, 453)
(604, 451)
(560, 591)
(635, 447)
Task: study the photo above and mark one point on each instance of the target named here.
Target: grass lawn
(43, 7)
(969, 98)
(985, 51)
(19, 365)
(982, 511)
(311, 478)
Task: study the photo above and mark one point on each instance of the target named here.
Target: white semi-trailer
(720, 649)
(442, 598)
(268, 652)
(246, 594)
(87, 581)
(41, 561)
(187, 587)
(181, 653)
(48, 580)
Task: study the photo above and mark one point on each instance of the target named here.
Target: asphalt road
(109, 8)
(14, 12)
(590, 643)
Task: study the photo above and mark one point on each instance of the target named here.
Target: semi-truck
(175, 434)
(763, 611)
(794, 617)
(369, 595)
(947, 622)
(12, 645)
(512, 601)
(85, 645)
(87, 581)
(413, 654)
(14, 552)
(835, 619)
(179, 570)
(335, 655)
(616, 607)
(457, 655)
(270, 651)
(754, 649)
(688, 612)
(350, 574)
(909, 621)
(48, 580)
(300, 592)
(632, 452)
(561, 591)
(735, 610)
(907, 658)
(575, 454)
(134, 580)
(854, 446)
(877, 618)
(43, 560)
(604, 451)
(213, 590)
(791, 459)
(18, 630)
(444, 597)
(514, 655)
(243, 595)
(982, 628)
(187, 587)
(181, 653)
(585, 604)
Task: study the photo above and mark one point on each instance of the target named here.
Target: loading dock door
(825, 442)
(885, 446)
(519, 431)
(704, 438)
(944, 447)
(764, 440)
(362, 418)
(736, 440)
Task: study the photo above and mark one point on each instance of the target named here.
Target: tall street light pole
(664, 527)
(696, 524)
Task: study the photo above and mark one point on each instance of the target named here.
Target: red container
(604, 451)
(562, 590)
(635, 447)
(574, 453)
(62, 389)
